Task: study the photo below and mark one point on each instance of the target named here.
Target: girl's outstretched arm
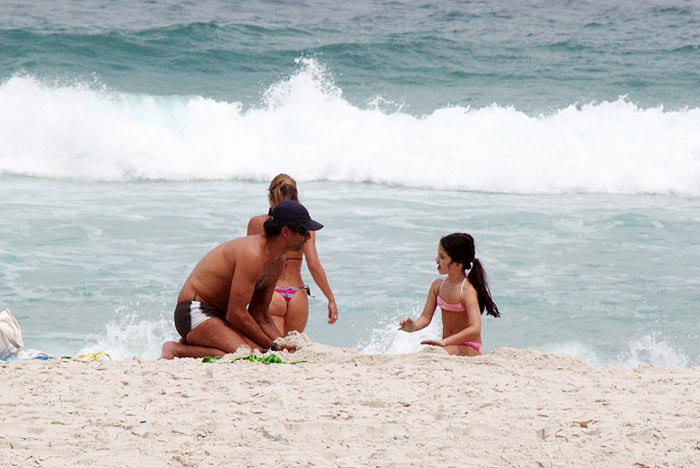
(410, 325)
(319, 276)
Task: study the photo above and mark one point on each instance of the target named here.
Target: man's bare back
(211, 279)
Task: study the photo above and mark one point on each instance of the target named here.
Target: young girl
(461, 298)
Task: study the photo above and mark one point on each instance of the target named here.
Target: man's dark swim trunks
(189, 314)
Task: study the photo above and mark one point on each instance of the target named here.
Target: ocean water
(562, 135)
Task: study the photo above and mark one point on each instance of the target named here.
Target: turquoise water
(612, 279)
(537, 56)
(562, 135)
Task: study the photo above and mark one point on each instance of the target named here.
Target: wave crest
(305, 126)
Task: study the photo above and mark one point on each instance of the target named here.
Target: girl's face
(443, 261)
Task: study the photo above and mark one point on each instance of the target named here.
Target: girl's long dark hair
(460, 247)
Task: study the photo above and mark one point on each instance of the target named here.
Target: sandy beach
(340, 408)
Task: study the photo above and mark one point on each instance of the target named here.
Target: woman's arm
(319, 276)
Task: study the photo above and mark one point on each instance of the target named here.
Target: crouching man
(224, 302)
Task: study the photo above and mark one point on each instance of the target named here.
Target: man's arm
(242, 292)
(259, 309)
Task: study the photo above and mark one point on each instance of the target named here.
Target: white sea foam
(390, 340)
(650, 350)
(646, 350)
(130, 337)
(304, 125)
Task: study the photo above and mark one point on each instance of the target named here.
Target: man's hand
(287, 347)
(282, 344)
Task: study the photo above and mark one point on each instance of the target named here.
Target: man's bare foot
(173, 349)
(169, 350)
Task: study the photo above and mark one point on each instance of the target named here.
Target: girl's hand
(433, 343)
(332, 312)
(407, 325)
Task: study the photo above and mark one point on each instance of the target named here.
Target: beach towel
(11, 341)
(269, 359)
(10, 335)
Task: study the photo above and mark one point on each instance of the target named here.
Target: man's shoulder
(240, 242)
(248, 246)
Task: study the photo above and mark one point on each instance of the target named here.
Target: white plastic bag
(10, 335)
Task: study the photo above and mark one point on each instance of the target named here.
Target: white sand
(511, 408)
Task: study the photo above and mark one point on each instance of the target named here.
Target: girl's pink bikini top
(446, 306)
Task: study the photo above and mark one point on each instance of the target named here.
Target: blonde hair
(282, 187)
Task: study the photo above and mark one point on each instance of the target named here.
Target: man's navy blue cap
(292, 212)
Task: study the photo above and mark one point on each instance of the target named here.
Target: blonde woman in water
(290, 302)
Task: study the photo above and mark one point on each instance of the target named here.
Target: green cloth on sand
(269, 359)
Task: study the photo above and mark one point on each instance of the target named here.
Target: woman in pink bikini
(290, 302)
(461, 297)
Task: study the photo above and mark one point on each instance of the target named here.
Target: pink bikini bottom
(472, 345)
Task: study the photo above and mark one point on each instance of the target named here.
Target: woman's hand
(433, 343)
(332, 312)
(407, 325)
